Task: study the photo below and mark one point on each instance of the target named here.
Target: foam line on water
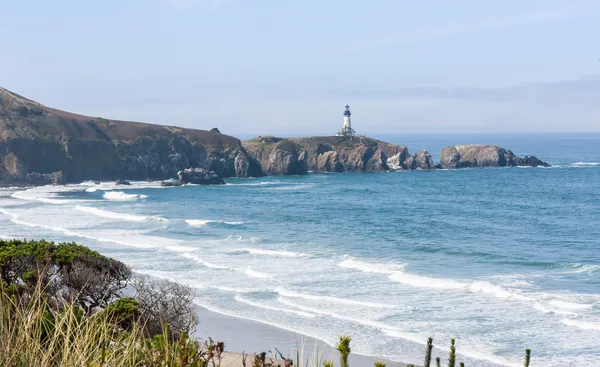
(370, 267)
(205, 222)
(584, 325)
(119, 216)
(364, 322)
(256, 274)
(291, 294)
(201, 261)
(277, 309)
(548, 309)
(121, 196)
(281, 253)
(570, 305)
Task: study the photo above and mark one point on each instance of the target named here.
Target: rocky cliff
(462, 156)
(40, 145)
(278, 156)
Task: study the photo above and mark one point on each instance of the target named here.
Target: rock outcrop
(420, 160)
(41, 145)
(462, 156)
(322, 154)
(36, 140)
(199, 176)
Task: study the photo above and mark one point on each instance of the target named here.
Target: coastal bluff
(293, 156)
(40, 145)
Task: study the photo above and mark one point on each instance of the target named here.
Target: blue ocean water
(500, 259)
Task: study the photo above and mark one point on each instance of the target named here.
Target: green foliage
(428, 353)
(452, 357)
(343, 347)
(379, 364)
(329, 363)
(527, 357)
(123, 312)
(438, 362)
(462, 364)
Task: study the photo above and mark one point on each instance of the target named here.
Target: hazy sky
(282, 66)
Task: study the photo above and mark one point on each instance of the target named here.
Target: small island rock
(199, 176)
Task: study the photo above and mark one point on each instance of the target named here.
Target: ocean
(502, 259)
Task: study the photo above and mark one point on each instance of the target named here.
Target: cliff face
(39, 144)
(462, 156)
(324, 154)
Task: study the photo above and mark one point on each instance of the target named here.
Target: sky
(289, 67)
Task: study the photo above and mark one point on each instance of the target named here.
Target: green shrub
(343, 347)
(452, 357)
(428, 353)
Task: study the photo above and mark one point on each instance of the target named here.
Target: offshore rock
(122, 182)
(199, 176)
(420, 160)
(462, 156)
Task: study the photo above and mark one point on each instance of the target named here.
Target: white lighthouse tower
(347, 129)
(347, 123)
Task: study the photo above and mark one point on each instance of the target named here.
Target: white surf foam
(281, 253)
(586, 164)
(277, 309)
(549, 309)
(323, 312)
(256, 274)
(426, 282)
(205, 222)
(119, 216)
(585, 325)
(565, 305)
(198, 259)
(46, 197)
(496, 290)
(371, 267)
(121, 196)
(91, 189)
(291, 294)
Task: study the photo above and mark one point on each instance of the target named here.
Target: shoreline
(252, 337)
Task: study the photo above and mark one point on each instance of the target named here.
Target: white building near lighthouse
(347, 129)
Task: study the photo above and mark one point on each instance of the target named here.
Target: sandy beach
(241, 335)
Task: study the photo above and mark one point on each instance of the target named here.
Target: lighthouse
(347, 123)
(347, 129)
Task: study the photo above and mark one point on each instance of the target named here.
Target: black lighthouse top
(347, 112)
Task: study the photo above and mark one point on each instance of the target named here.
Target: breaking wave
(121, 196)
(371, 267)
(256, 274)
(291, 294)
(585, 325)
(119, 216)
(205, 222)
(267, 307)
(282, 253)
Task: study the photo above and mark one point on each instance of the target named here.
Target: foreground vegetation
(66, 305)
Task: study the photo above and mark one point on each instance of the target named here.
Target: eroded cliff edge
(278, 156)
(39, 145)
